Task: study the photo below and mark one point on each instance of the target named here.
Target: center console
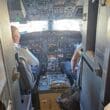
(50, 87)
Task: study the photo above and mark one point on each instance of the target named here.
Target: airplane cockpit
(54, 55)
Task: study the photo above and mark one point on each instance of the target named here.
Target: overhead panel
(16, 10)
(51, 9)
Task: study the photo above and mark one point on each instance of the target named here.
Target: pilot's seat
(27, 80)
(28, 83)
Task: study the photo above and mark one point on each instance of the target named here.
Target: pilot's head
(15, 34)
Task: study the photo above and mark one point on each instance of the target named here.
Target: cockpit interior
(54, 55)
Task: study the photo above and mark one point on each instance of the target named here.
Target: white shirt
(27, 55)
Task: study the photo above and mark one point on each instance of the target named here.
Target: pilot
(75, 63)
(31, 62)
(23, 52)
(76, 57)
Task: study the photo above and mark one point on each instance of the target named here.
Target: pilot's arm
(76, 57)
(28, 56)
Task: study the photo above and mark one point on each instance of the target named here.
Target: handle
(95, 67)
(15, 74)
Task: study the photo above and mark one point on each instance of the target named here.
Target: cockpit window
(31, 26)
(57, 25)
(67, 25)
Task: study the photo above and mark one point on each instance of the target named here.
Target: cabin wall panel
(4, 97)
(8, 55)
(101, 39)
(105, 93)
